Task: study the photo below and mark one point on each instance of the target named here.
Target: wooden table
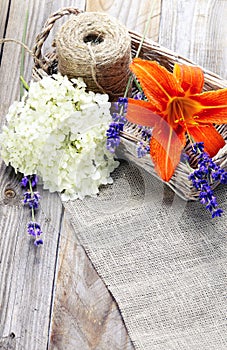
(52, 298)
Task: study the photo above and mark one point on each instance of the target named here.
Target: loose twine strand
(5, 40)
(96, 47)
(93, 68)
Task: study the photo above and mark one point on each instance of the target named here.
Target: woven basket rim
(44, 61)
(47, 64)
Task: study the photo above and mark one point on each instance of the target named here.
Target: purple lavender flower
(139, 96)
(121, 105)
(117, 125)
(34, 203)
(197, 147)
(217, 213)
(185, 157)
(24, 182)
(38, 242)
(114, 129)
(27, 197)
(32, 198)
(146, 134)
(220, 175)
(112, 144)
(32, 178)
(202, 178)
(120, 109)
(34, 230)
(142, 149)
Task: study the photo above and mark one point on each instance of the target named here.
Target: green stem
(24, 83)
(32, 194)
(145, 31)
(139, 49)
(128, 85)
(138, 85)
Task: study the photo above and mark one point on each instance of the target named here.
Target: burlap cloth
(163, 259)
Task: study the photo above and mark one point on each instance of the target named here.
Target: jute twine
(97, 48)
(9, 40)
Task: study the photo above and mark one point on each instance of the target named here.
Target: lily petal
(213, 141)
(142, 113)
(165, 149)
(157, 83)
(190, 78)
(213, 106)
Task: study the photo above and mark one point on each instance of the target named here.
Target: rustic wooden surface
(196, 29)
(52, 298)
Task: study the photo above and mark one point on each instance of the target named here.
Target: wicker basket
(47, 64)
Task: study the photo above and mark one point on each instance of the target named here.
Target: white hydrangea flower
(58, 131)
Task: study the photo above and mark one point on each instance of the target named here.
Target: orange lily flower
(176, 106)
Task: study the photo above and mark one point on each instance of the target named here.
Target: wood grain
(29, 276)
(197, 30)
(52, 298)
(85, 315)
(133, 13)
(4, 8)
(26, 273)
(38, 12)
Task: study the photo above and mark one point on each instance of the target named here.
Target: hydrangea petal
(59, 133)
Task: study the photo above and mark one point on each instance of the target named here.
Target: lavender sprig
(34, 230)
(143, 147)
(113, 136)
(203, 177)
(117, 125)
(32, 198)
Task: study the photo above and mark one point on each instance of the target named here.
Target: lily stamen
(176, 107)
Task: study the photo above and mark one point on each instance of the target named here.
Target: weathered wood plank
(4, 8)
(38, 12)
(133, 13)
(26, 273)
(85, 315)
(56, 6)
(197, 30)
(28, 277)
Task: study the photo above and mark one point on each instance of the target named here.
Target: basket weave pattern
(47, 64)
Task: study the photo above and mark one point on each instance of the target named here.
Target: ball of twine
(97, 48)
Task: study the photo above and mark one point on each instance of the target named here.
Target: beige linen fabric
(163, 259)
